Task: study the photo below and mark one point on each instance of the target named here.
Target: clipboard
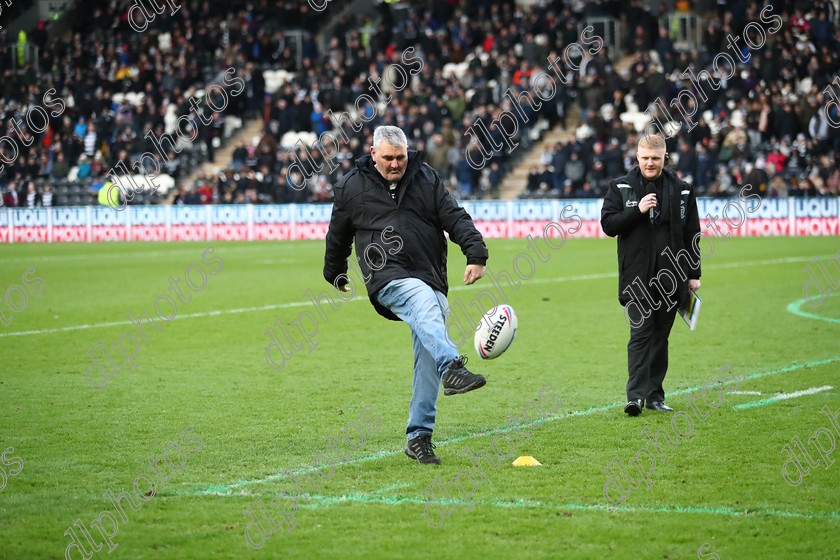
(692, 312)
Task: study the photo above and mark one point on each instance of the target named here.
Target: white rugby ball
(495, 332)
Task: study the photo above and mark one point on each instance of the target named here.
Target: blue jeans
(425, 310)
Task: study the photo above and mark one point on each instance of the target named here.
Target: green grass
(206, 369)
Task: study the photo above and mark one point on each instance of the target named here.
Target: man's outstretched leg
(425, 311)
(435, 358)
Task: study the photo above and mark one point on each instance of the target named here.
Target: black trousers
(647, 351)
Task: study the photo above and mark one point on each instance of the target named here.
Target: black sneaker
(458, 379)
(421, 449)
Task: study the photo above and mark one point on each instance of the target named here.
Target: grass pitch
(721, 487)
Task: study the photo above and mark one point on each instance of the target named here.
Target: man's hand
(472, 273)
(648, 202)
(693, 285)
(345, 288)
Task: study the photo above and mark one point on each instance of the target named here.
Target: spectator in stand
(614, 159)
(533, 182)
(756, 176)
(786, 123)
(803, 188)
(33, 197)
(586, 191)
(47, 196)
(45, 167)
(10, 195)
(494, 178)
(596, 175)
(778, 188)
(686, 162)
(240, 154)
(465, 175)
(704, 169)
(665, 50)
(83, 168)
(575, 171)
(777, 159)
(323, 190)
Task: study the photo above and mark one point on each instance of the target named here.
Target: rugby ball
(495, 332)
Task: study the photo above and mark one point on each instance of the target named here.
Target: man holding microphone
(654, 215)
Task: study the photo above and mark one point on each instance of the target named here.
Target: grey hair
(391, 134)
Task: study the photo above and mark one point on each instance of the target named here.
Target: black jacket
(410, 229)
(620, 216)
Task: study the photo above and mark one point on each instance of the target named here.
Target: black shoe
(458, 379)
(421, 448)
(633, 407)
(659, 405)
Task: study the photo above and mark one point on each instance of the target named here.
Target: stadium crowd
(764, 125)
(120, 85)
(440, 103)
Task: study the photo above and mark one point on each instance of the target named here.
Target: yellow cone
(526, 461)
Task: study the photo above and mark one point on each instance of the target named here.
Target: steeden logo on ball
(495, 332)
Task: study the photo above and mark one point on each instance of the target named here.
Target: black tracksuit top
(620, 216)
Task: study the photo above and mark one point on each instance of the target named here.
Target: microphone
(654, 212)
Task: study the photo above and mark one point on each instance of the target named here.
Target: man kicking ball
(393, 196)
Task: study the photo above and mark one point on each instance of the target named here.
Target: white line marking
(765, 261)
(603, 275)
(811, 391)
(135, 254)
(744, 393)
(785, 396)
(599, 276)
(187, 316)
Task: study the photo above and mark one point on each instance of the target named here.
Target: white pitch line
(744, 393)
(765, 261)
(785, 396)
(604, 275)
(810, 391)
(127, 255)
(187, 316)
(599, 276)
